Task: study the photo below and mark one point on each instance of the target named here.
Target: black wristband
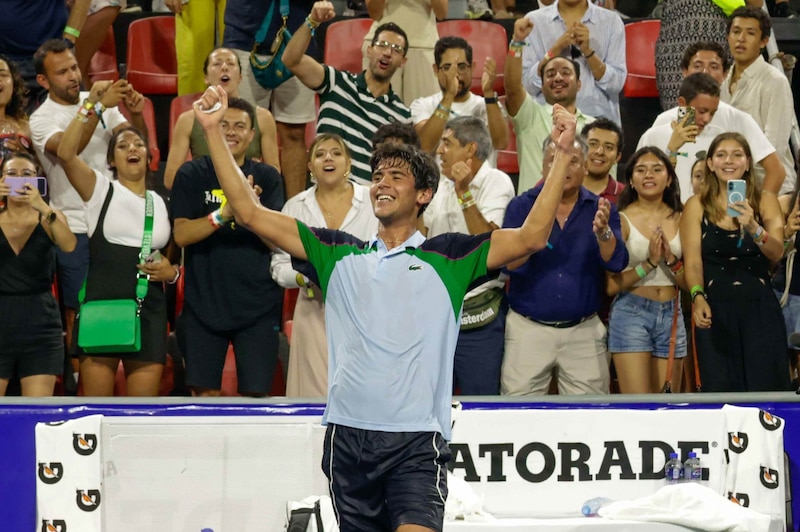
(651, 264)
(491, 100)
(699, 293)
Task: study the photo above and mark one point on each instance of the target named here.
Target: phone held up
(17, 183)
(737, 188)
(686, 111)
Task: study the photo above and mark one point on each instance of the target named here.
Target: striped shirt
(606, 37)
(348, 109)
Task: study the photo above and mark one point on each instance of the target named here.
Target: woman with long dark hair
(645, 321)
(740, 333)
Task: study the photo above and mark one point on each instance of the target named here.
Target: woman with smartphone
(645, 324)
(31, 340)
(116, 218)
(730, 234)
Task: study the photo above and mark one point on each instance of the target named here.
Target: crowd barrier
(232, 464)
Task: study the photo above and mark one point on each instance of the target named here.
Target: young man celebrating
(230, 295)
(604, 138)
(393, 315)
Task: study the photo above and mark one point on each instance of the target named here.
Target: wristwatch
(50, 217)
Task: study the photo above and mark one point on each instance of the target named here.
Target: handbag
(481, 309)
(272, 72)
(115, 325)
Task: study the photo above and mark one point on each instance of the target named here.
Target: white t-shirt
(726, 119)
(124, 222)
(52, 118)
(423, 108)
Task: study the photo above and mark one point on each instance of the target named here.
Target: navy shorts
(381, 480)
(72, 270)
(255, 347)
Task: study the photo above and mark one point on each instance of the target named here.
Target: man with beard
(531, 120)
(453, 69)
(57, 71)
(352, 106)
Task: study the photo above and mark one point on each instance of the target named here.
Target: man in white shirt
(759, 89)
(473, 200)
(684, 142)
(57, 71)
(453, 69)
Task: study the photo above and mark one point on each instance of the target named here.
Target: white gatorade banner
(546, 462)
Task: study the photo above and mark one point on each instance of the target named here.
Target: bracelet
(83, 115)
(467, 204)
(590, 54)
(514, 51)
(490, 100)
(679, 270)
(677, 260)
(676, 266)
(549, 55)
(441, 107)
(763, 240)
(311, 23)
(606, 236)
(696, 289)
(87, 104)
(651, 264)
(69, 30)
(640, 271)
(466, 196)
(518, 44)
(215, 219)
(99, 108)
(700, 293)
(177, 275)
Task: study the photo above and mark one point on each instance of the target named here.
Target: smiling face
(238, 132)
(650, 177)
(393, 193)
(6, 84)
(329, 163)
(559, 82)
(223, 69)
(386, 55)
(62, 77)
(603, 152)
(455, 59)
(729, 160)
(130, 156)
(698, 176)
(745, 40)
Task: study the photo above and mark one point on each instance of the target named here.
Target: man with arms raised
(393, 313)
(352, 106)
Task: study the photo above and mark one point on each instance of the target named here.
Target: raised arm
(269, 138)
(306, 68)
(515, 92)
(439, 8)
(498, 128)
(270, 225)
(511, 244)
(80, 175)
(375, 8)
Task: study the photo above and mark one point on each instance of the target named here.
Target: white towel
(690, 505)
(463, 503)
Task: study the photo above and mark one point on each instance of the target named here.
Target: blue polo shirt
(392, 318)
(563, 282)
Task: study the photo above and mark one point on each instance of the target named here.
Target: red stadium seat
(151, 61)
(343, 41)
(152, 138)
(177, 107)
(488, 39)
(640, 57)
(507, 159)
(104, 64)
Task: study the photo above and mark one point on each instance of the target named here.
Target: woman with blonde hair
(728, 247)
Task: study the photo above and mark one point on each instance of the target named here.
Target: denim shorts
(641, 325)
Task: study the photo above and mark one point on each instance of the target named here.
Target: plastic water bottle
(592, 506)
(692, 470)
(673, 470)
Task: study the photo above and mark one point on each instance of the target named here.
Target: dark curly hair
(16, 105)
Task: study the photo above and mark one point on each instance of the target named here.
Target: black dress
(31, 339)
(112, 275)
(745, 348)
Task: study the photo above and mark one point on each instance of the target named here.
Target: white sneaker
(478, 10)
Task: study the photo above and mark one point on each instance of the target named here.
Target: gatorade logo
(55, 525)
(51, 473)
(742, 499)
(737, 442)
(87, 500)
(84, 444)
(769, 478)
(768, 421)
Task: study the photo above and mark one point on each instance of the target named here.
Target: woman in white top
(116, 217)
(334, 202)
(645, 316)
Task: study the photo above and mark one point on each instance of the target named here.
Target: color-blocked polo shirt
(348, 109)
(392, 318)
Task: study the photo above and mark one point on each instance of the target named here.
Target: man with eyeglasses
(352, 106)
(230, 295)
(453, 69)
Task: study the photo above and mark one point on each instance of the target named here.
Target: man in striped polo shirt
(393, 309)
(352, 106)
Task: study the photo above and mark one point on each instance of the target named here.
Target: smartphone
(684, 111)
(17, 183)
(153, 258)
(737, 188)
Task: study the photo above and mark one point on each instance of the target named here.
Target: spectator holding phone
(31, 344)
(115, 216)
(728, 247)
